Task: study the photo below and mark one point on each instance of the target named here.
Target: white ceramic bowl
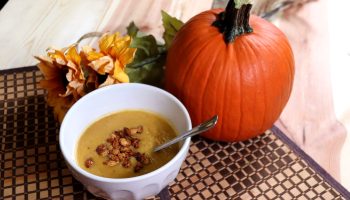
(116, 98)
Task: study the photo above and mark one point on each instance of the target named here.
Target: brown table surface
(31, 166)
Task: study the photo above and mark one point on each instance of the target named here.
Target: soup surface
(133, 150)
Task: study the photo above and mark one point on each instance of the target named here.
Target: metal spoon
(195, 131)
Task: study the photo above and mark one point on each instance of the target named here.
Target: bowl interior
(117, 98)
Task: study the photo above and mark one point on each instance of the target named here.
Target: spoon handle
(195, 131)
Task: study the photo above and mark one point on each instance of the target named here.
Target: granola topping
(89, 163)
(120, 147)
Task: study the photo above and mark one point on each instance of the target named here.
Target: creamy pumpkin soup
(120, 145)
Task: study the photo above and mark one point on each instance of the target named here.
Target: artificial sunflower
(63, 79)
(110, 62)
(70, 74)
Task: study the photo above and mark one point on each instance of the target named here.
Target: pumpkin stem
(247, 27)
(234, 21)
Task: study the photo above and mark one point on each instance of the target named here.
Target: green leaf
(148, 64)
(151, 73)
(171, 27)
(146, 47)
(132, 29)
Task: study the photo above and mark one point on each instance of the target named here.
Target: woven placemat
(31, 166)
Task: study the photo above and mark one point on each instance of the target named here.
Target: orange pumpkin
(237, 66)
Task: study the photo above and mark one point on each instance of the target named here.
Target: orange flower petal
(61, 107)
(70, 75)
(74, 71)
(91, 82)
(47, 68)
(106, 42)
(52, 84)
(109, 81)
(119, 45)
(68, 92)
(57, 56)
(91, 54)
(125, 41)
(127, 56)
(122, 77)
(72, 55)
(102, 65)
(77, 89)
(119, 73)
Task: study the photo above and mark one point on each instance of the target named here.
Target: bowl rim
(183, 150)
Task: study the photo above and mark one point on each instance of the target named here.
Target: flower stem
(145, 61)
(150, 60)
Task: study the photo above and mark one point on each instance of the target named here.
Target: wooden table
(317, 117)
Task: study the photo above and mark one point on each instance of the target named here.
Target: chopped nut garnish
(111, 163)
(115, 144)
(133, 131)
(120, 146)
(126, 150)
(137, 156)
(142, 158)
(112, 136)
(115, 151)
(138, 129)
(145, 159)
(135, 143)
(104, 154)
(121, 156)
(113, 157)
(126, 163)
(89, 163)
(118, 132)
(124, 142)
(110, 140)
(109, 147)
(138, 167)
(127, 131)
(102, 150)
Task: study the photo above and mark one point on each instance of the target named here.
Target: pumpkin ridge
(220, 63)
(291, 69)
(234, 59)
(182, 79)
(188, 69)
(281, 101)
(282, 43)
(258, 70)
(206, 79)
(267, 115)
(228, 47)
(250, 54)
(240, 95)
(193, 68)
